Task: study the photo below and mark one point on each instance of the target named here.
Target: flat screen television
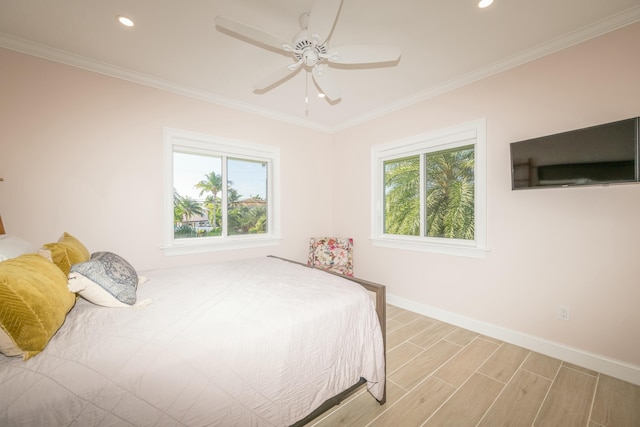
(598, 155)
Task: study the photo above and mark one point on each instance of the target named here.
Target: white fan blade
(322, 18)
(325, 82)
(277, 76)
(363, 54)
(254, 34)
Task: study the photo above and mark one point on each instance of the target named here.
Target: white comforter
(244, 343)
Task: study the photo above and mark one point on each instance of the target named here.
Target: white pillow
(12, 246)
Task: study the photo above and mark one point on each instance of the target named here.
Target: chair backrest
(332, 253)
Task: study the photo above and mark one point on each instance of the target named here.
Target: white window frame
(197, 143)
(470, 133)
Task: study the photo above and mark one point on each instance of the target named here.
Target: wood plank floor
(441, 375)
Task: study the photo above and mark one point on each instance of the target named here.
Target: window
(429, 192)
(219, 194)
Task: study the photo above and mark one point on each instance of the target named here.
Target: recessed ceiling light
(321, 95)
(485, 3)
(127, 22)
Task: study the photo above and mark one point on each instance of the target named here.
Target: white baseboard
(613, 368)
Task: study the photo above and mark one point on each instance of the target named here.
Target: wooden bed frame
(381, 310)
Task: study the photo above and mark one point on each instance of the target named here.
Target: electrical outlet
(563, 312)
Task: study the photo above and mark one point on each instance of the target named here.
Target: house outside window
(429, 192)
(219, 194)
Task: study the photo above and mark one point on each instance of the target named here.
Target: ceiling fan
(310, 48)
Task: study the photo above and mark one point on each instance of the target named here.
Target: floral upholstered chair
(332, 253)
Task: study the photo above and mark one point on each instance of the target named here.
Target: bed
(254, 342)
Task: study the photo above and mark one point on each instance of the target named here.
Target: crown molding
(63, 57)
(604, 26)
(599, 28)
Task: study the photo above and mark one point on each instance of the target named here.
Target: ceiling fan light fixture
(126, 21)
(310, 48)
(484, 3)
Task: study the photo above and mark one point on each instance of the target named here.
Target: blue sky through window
(249, 178)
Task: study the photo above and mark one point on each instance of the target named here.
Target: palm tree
(233, 197)
(178, 213)
(211, 184)
(183, 209)
(451, 194)
(190, 207)
(402, 196)
(211, 208)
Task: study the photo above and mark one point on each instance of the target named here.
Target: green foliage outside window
(244, 215)
(449, 198)
(402, 196)
(450, 201)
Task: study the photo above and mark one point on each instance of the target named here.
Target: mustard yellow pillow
(34, 301)
(67, 251)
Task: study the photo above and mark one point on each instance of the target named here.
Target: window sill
(188, 247)
(463, 249)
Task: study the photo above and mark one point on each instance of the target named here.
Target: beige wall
(549, 247)
(82, 152)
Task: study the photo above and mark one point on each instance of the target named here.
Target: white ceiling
(175, 45)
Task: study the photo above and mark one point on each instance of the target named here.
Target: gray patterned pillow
(106, 279)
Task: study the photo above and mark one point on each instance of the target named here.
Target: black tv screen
(597, 155)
